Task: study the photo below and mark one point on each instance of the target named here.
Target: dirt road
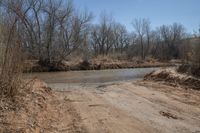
(129, 107)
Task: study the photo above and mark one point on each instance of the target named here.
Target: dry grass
(97, 63)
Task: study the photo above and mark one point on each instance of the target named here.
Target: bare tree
(148, 36)
(102, 35)
(52, 29)
(120, 37)
(196, 57)
(171, 36)
(10, 56)
(142, 29)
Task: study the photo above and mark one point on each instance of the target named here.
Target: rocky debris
(168, 115)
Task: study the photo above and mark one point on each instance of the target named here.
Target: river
(88, 78)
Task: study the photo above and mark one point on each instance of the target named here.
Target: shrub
(10, 71)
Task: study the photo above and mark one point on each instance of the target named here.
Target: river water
(85, 78)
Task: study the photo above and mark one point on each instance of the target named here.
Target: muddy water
(99, 77)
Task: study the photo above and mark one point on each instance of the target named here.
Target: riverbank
(38, 109)
(93, 64)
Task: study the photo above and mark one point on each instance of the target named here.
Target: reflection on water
(90, 77)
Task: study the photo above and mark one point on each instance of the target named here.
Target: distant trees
(162, 43)
(196, 57)
(171, 36)
(191, 63)
(102, 36)
(185, 50)
(53, 29)
(108, 36)
(143, 31)
(121, 38)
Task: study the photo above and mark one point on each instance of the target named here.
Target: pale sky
(186, 12)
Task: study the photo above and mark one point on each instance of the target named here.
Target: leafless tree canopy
(49, 30)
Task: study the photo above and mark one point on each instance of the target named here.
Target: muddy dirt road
(129, 107)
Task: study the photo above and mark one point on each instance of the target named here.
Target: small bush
(85, 65)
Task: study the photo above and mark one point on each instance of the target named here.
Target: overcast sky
(159, 12)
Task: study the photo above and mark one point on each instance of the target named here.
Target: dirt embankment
(93, 64)
(172, 77)
(39, 110)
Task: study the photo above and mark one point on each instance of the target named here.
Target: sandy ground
(127, 107)
(139, 107)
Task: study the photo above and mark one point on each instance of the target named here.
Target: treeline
(49, 30)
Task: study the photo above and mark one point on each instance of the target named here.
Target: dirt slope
(40, 111)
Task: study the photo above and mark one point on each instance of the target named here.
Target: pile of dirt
(29, 112)
(38, 109)
(172, 77)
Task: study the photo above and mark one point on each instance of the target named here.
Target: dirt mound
(30, 110)
(38, 109)
(172, 77)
